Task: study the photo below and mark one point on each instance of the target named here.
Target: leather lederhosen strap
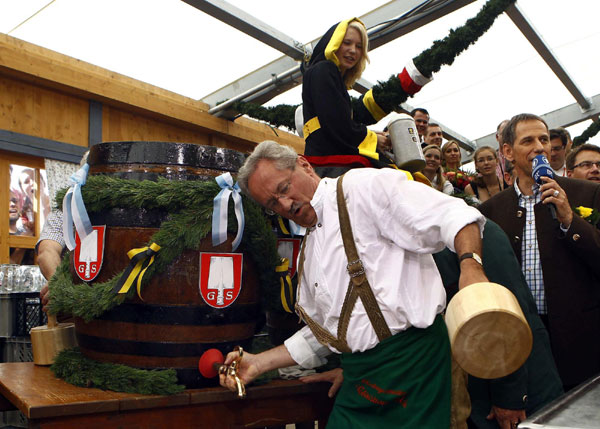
(357, 287)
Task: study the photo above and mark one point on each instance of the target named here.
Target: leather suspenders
(358, 287)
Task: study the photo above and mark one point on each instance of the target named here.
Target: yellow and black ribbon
(287, 291)
(282, 226)
(141, 259)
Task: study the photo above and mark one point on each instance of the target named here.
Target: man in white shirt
(402, 376)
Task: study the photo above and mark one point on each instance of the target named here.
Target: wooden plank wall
(36, 111)
(47, 94)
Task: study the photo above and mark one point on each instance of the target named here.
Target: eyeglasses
(284, 188)
(586, 165)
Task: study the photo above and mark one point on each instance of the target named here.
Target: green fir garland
(280, 115)
(589, 132)
(190, 205)
(73, 367)
(444, 52)
(389, 94)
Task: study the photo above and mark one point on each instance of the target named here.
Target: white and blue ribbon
(220, 208)
(296, 229)
(74, 211)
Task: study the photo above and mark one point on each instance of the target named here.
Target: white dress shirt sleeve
(416, 217)
(306, 350)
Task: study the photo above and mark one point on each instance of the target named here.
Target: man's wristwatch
(470, 255)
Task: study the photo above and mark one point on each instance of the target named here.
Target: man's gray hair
(283, 157)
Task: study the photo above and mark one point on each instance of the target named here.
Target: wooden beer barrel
(173, 325)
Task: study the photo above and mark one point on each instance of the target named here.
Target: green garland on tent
(443, 52)
(280, 115)
(589, 132)
(73, 367)
(190, 205)
(389, 94)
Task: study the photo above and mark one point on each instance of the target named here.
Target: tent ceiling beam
(264, 83)
(251, 26)
(563, 117)
(536, 40)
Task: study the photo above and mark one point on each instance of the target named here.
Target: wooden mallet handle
(52, 323)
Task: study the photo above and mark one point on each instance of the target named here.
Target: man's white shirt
(397, 224)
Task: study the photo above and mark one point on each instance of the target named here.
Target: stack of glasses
(20, 278)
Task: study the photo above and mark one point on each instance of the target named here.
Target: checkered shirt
(530, 253)
(53, 229)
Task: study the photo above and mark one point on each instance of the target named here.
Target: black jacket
(342, 123)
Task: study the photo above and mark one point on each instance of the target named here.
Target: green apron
(403, 382)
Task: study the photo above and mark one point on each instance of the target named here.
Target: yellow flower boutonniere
(589, 214)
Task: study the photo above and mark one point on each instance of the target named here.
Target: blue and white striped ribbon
(74, 211)
(296, 229)
(220, 207)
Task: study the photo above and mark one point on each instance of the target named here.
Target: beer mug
(406, 144)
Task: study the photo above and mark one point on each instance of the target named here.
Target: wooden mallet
(48, 340)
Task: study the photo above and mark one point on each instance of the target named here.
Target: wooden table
(51, 403)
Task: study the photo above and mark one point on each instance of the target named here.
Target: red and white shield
(220, 278)
(289, 248)
(89, 254)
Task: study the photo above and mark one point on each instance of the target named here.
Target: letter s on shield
(220, 278)
(89, 254)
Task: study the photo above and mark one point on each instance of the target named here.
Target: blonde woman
(487, 183)
(451, 162)
(433, 169)
(335, 126)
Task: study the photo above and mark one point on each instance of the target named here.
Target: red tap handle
(210, 362)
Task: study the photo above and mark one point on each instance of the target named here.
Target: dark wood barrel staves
(173, 325)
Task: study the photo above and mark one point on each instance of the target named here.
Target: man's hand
(384, 143)
(553, 193)
(247, 370)
(335, 377)
(507, 419)
(251, 366)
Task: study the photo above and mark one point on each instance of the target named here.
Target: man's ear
(569, 173)
(303, 163)
(508, 152)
